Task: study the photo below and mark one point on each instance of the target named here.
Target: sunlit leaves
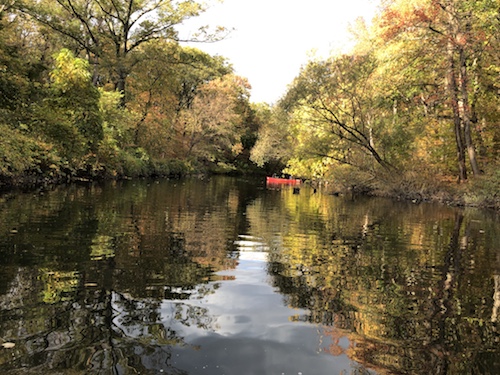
(70, 73)
(110, 32)
(332, 103)
(440, 49)
(212, 123)
(74, 94)
(274, 143)
(413, 86)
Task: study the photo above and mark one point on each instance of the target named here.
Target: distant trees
(274, 146)
(211, 125)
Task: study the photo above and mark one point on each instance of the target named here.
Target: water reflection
(226, 276)
(411, 286)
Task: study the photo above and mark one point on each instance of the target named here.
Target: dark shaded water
(226, 276)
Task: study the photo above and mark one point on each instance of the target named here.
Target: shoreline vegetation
(106, 90)
(483, 194)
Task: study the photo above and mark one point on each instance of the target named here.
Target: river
(230, 276)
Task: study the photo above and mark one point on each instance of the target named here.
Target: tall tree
(111, 31)
(454, 35)
(455, 28)
(273, 148)
(213, 125)
(333, 100)
(164, 85)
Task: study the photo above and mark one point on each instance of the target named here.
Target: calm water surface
(228, 276)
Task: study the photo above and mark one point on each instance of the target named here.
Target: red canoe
(279, 181)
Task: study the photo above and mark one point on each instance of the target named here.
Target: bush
(346, 178)
(16, 152)
(23, 158)
(132, 165)
(419, 185)
(223, 168)
(169, 168)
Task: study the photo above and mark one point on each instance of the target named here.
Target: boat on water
(283, 181)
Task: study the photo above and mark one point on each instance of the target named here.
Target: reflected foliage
(112, 278)
(85, 270)
(413, 287)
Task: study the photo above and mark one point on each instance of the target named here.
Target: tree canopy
(111, 32)
(414, 102)
(99, 88)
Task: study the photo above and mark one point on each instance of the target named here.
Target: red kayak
(283, 181)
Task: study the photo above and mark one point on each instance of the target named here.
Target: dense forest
(106, 89)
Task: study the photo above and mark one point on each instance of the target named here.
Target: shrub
(346, 178)
(132, 165)
(25, 158)
(418, 185)
(169, 168)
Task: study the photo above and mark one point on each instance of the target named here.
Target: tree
(456, 36)
(22, 67)
(70, 116)
(164, 85)
(333, 102)
(211, 127)
(193, 67)
(273, 147)
(111, 31)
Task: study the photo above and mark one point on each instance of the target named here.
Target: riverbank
(32, 180)
(481, 192)
(55, 175)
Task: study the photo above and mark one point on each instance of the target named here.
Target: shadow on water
(227, 276)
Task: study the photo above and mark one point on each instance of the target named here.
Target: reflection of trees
(87, 269)
(410, 285)
(413, 287)
(81, 335)
(496, 299)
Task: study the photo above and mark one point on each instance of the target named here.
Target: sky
(272, 39)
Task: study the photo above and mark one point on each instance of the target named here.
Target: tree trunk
(120, 86)
(452, 92)
(95, 71)
(466, 112)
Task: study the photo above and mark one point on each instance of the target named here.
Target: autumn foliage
(100, 89)
(414, 105)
